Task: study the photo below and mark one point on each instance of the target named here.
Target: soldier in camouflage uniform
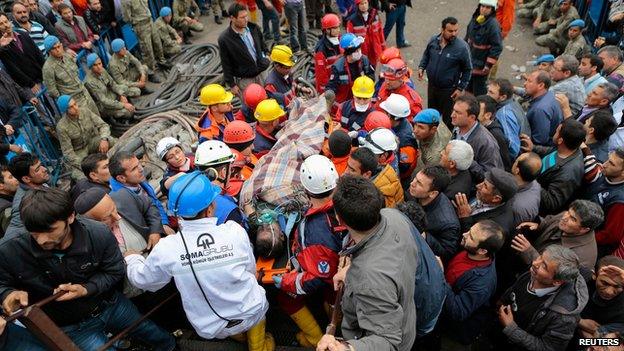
(545, 16)
(215, 11)
(529, 9)
(138, 14)
(60, 75)
(111, 97)
(577, 45)
(185, 14)
(127, 69)
(557, 38)
(168, 37)
(80, 133)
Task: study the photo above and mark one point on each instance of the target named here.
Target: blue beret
(91, 58)
(165, 11)
(577, 23)
(117, 45)
(63, 103)
(428, 116)
(545, 58)
(49, 42)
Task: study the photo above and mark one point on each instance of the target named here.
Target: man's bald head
(527, 166)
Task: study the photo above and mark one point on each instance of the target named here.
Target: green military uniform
(167, 36)
(215, 11)
(126, 70)
(81, 137)
(107, 92)
(557, 38)
(577, 47)
(182, 9)
(137, 13)
(60, 77)
(549, 9)
(528, 9)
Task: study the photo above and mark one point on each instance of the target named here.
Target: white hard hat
(380, 140)
(396, 105)
(493, 3)
(318, 174)
(164, 145)
(213, 152)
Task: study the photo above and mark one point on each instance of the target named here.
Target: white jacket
(223, 260)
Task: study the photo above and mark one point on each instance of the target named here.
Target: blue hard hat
(191, 194)
(577, 23)
(165, 11)
(91, 58)
(117, 45)
(350, 41)
(545, 58)
(49, 42)
(428, 116)
(63, 103)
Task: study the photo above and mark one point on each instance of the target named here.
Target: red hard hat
(394, 69)
(238, 132)
(253, 94)
(330, 20)
(239, 161)
(389, 54)
(377, 119)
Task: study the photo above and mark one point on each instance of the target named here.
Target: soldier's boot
(310, 333)
(258, 339)
(218, 20)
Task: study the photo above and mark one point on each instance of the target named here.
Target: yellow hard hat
(363, 87)
(282, 54)
(268, 110)
(213, 94)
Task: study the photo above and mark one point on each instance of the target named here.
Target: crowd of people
(490, 216)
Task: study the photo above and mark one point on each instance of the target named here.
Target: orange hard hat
(238, 132)
(377, 119)
(389, 54)
(253, 94)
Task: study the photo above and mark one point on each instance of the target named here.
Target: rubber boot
(258, 339)
(310, 333)
(253, 15)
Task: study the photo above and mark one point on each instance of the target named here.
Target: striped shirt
(37, 34)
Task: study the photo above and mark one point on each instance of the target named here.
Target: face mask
(365, 16)
(356, 56)
(333, 40)
(480, 19)
(361, 108)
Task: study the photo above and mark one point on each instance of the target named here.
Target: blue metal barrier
(595, 19)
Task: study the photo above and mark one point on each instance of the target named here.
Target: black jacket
(93, 20)
(553, 324)
(443, 235)
(497, 132)
(93, 259)
(235, 58)
(447, 67)
(12, 92)
(559, 182)
(485, 41)
(24, 67)
(139, 211)
(503, 215)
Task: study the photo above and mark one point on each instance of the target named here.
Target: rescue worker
(252, 96)
(365, 22)
(80, 132)
(60, 75)
(112, 98)
(577, 45)
(383, 143)
(127, 69)
(486, 44)
(377, 119)
(347, 68)
(386, 56)
(166, 35)
(185, 17)
(353, 113)
(214, 158)
(268, 114)
(327, 50)
(394, 83)
(138, 14)
(556, 39)
(169, 150)
(317, 242)
(213, 308)
(398, 109)
(218, 112)
(239, 136)
(279, 81)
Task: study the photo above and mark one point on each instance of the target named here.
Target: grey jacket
(486, 150)
(378, 301)
(526, 203)
(15, 225)
(139, 211)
